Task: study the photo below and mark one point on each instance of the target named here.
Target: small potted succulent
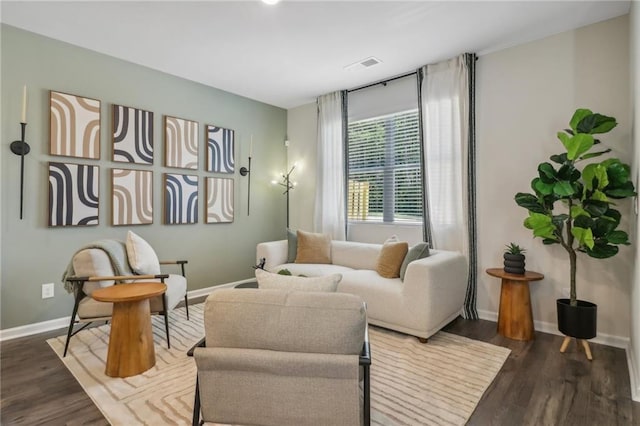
(514, 259)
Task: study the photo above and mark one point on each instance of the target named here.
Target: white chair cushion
(93, 263)
(176, 289)
(142, 258)
(90, 308)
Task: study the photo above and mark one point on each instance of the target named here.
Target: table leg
(131, 349)
(515, 318)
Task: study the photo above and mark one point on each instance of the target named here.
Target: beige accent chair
(274, 357)
(93, 270)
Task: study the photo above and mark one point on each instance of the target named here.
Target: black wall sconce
(246, 171)
(21, 147)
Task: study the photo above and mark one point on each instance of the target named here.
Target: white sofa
(431, 295)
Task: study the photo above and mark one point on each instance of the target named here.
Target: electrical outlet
(47, 290)
(565, 292)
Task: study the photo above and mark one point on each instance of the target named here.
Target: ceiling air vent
(364, 63)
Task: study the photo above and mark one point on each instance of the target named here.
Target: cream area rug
(437, 383)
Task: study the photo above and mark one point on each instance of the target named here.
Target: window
(384, 180)
(383, 153)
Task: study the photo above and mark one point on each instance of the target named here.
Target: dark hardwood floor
(536, 386)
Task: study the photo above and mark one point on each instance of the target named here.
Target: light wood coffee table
(131, 348)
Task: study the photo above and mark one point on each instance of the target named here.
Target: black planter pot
(514, 263)
(577, 321)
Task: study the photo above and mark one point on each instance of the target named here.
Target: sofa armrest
(275, 252)
(440, 280)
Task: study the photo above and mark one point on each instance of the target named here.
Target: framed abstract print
(219, 200)
(74, 126)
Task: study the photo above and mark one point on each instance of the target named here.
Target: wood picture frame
(180, 143)
(180, 199)
(220, 200)
(74, 126)
(74, 194)
(131, 197)
(220, 149)
(132, 135)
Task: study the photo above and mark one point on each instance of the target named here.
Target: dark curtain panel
(470, 309)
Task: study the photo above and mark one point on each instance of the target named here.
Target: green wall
(33, 254)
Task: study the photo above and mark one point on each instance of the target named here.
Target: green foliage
(288, 272)
(590, 222)
(513, 248)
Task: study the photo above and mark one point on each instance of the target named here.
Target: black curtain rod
(383, 81)
(389, 79)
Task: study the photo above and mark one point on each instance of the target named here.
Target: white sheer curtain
(330, 209)
(445, 107)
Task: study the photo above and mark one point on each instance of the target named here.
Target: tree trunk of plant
(572, 263)
(572, 259)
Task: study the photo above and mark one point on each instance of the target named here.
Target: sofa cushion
(313, 248)
(270, 281)
(142, 258)
(355, 255)
(390, 259)
(419, 251)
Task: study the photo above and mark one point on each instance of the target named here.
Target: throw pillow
(270, 281)
(313, 248)
(292, 239)
(142, 258)
(416, 252)
(390, 259)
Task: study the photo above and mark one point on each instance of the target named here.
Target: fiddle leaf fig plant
(573, 203)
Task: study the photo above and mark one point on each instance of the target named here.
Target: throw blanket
(117, 252)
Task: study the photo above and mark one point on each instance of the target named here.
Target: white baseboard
(55, 324)
(552, 328)
(38, 327)
(634, 379)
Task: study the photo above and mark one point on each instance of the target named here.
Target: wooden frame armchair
(87, 310)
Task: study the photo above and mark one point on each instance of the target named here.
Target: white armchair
(93, 267)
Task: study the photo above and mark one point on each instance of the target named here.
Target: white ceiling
(288, 54)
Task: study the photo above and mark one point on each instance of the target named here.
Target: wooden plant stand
(515, 319)
(585, 345)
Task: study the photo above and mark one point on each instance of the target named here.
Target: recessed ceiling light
(270, 1)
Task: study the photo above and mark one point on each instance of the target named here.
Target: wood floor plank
(536, 386)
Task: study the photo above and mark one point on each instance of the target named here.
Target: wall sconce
(21, 147)
(286, 182)
(246, 171)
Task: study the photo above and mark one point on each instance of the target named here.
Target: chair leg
(196, 406)
(186, 305)
(166, 318)
(71, 322)
(367, 402)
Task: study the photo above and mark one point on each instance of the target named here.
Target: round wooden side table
(131, 349)
(515, 319)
